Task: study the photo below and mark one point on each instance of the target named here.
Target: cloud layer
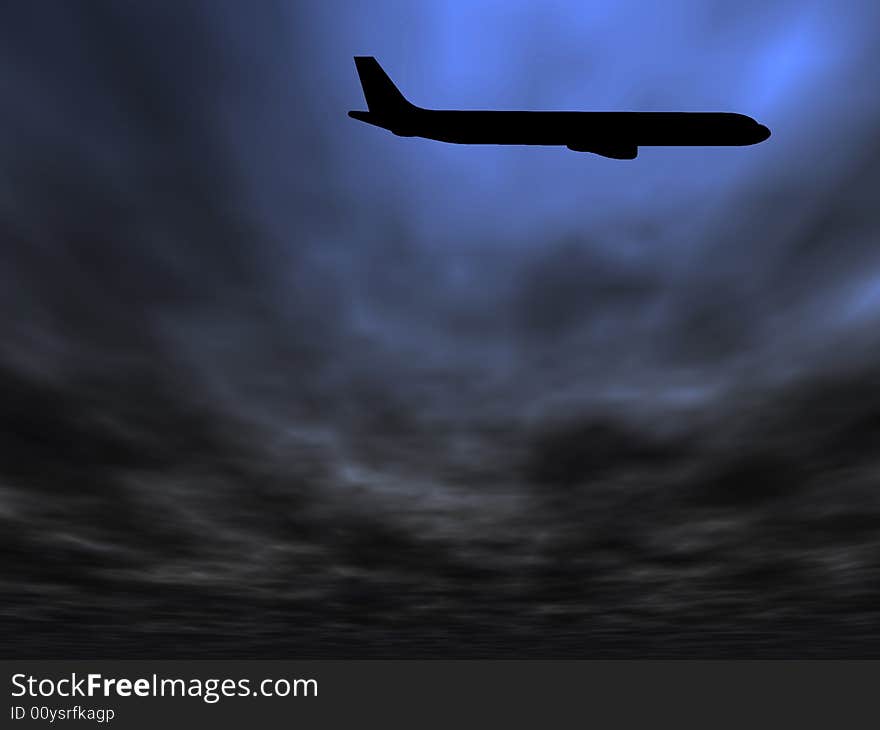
(277, 383)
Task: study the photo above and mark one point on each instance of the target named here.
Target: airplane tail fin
(380, 92)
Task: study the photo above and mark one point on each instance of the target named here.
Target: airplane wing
(614, 151)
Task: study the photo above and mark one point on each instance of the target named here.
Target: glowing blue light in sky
(688, 215)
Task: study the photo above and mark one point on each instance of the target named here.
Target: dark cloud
(567, 285)
(274, 383)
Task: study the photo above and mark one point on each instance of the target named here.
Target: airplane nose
(763, 133)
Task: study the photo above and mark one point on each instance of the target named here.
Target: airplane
(617, 135)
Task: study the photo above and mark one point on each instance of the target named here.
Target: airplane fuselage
(566, 128)
(612, 134)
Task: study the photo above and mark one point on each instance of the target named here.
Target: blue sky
(405, 394)
(718, 221)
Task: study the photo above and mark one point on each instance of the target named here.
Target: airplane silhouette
(611, 134)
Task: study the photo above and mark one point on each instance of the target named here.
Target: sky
(280, 383)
